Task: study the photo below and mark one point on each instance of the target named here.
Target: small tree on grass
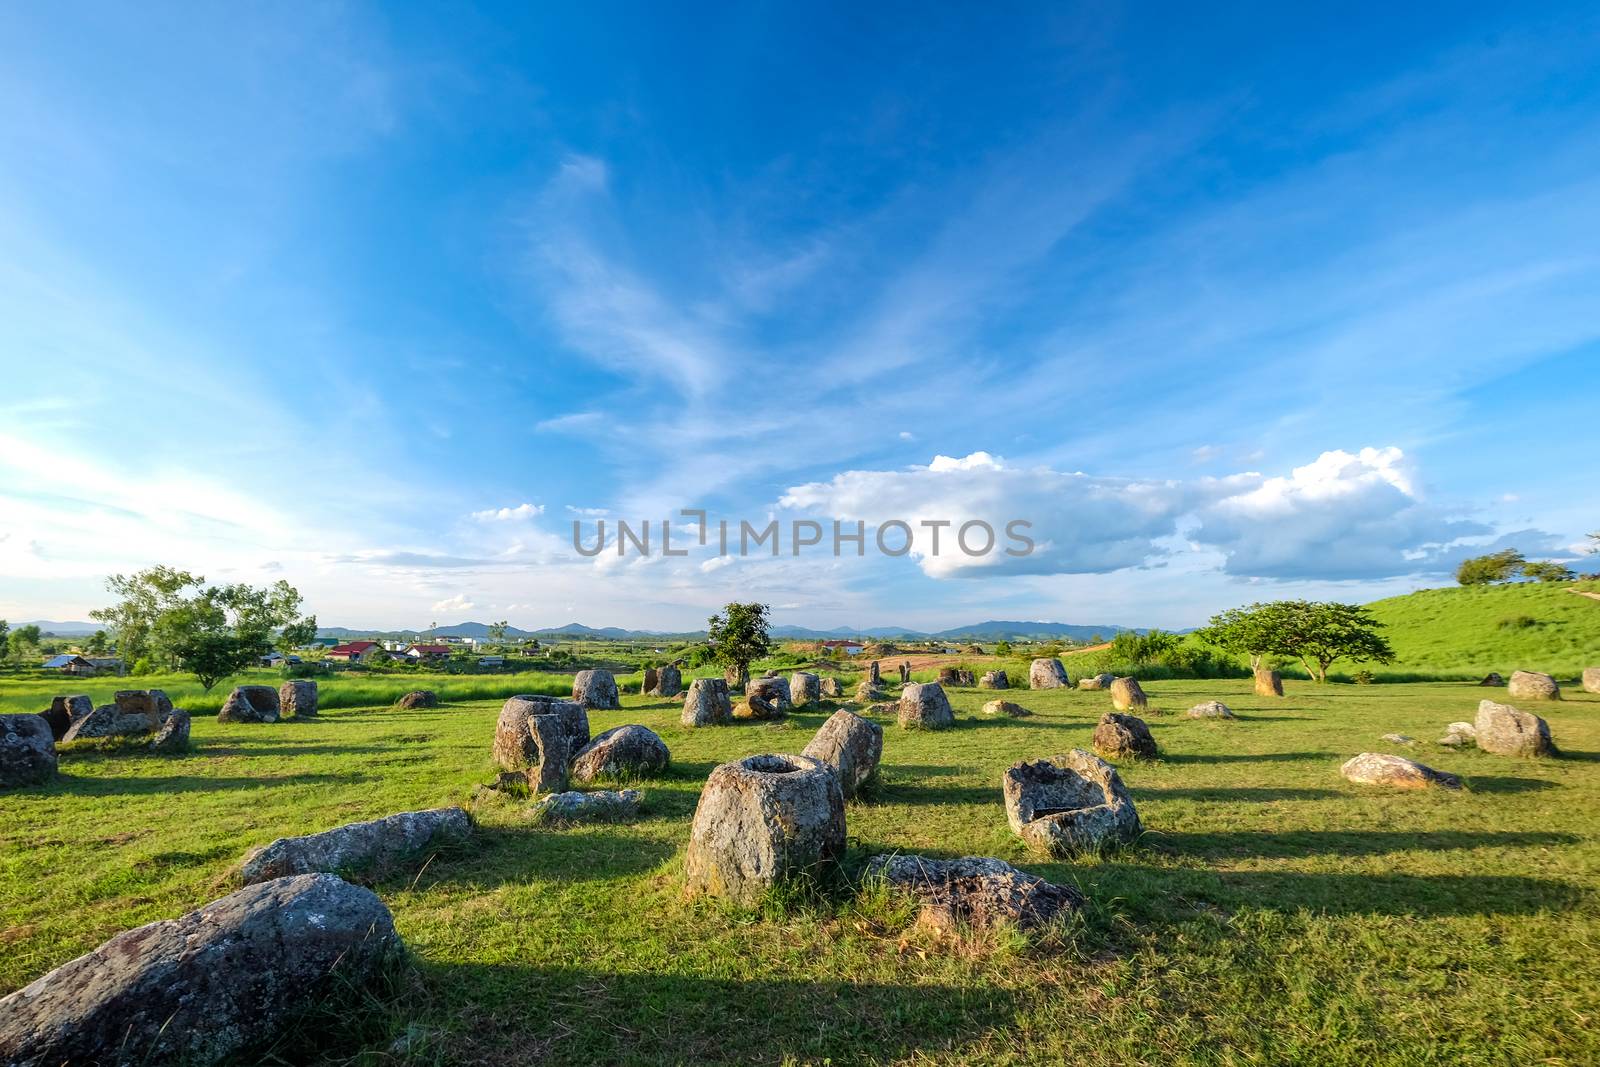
(1317, 634)
(1500, 566)
(212, 632)
(738, 636)
(1549, 571)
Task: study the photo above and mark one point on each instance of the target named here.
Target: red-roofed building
(356, 652)
(418, 653)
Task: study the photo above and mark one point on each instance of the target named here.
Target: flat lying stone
(1376, 768)
(1459, 733)
(975, 891)
(204, 987)
(357, 846)
(1210, 709)
(1006, 708)
(1398, 739)
(602, 805)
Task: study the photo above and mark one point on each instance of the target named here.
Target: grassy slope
(1457, 630)
(1273, 913)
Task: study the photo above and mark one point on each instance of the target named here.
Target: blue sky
(1231, 305)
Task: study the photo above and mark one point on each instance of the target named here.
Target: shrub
(1517, 622)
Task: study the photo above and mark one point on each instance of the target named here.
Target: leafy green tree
(1003, 648)
(5, 630)
(1500, 566)
(97, 644)
(23, 643)
(737, 636)
(498, 632)
(1549, 571)
(1316, 633)
(173, 618)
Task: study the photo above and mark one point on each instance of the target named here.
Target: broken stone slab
(1069, 804)
(1508, 731)
(62, 712)
(298, 697)
(1047, 673)
(975, 891)
(852, 746)
(631, 751)
(1531, 685)
(773, 690)
(804, 688)
(647, 685)
(707, 703)
(131, 711)
(1398, 739)
(1493, 679)
(358, 846)
(595, 689)
(924, 706)
(27, 751)
(207, 986)
(869, 692)
(174, 733)
(831, 688)
(1397, 772)
(517, 746)
(1006, 708)
(994, 680)
(1457, 734)
(250, 703)
(602, 805)
(417, 698)
(1097, 682)
(763, 820)
(1123, 737)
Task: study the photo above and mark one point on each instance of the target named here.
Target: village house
(356, 652)
(67, 663)
(429, 653)
(849, 648)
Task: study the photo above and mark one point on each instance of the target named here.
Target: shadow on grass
(914, 794)
(1506, 784)
(132, 785)
(1148, 892)
(1265, 757)
(1345, 842)
(1226, 793)
(491, 1013)
(498, 855)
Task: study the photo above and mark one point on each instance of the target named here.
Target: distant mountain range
(62, 629)
(993, 630)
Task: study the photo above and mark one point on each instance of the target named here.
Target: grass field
(1472, 630)
(1272, 914)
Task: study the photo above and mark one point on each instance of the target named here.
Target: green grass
(1472, 630)
(1273, 914)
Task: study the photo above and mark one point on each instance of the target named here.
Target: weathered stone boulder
(994, 680)
(1047, 674)
(63, 710)
(949, 676)
(1458, 734)
(1126, 694)
(1210, 709)
(27, 751)
(873, 674)
(1398, 739)
(831, 688)
(648, 685)
(539, 735)
(207, 986)
(669, 682)
(1507, 731)
(1123, 737)
(762, 820)
(418, 698)
(1006, 708)
(359, 847)
(773, 690)
(923, 706)
(1397, 772)
(131, 711)
(250, 703)
(595, 689)
(868, 692)
(1591, 679)
(1096, 682)
(298, 697)
(707, 703)
(905, 673)
(804, 688)
(1531, 685)
(975, 891)
(737, 678)
(1493, 679)
(601, 805)
(852, 746)
(630, 751)
(1269, 684)
(174, 733)
(1069, 804)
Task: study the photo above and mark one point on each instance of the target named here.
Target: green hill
(1469, 631)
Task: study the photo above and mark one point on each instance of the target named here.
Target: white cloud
(1340, 517)
(591, 513)
(907, 435)
(453, 604)
(577, 421)
(518, 513)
